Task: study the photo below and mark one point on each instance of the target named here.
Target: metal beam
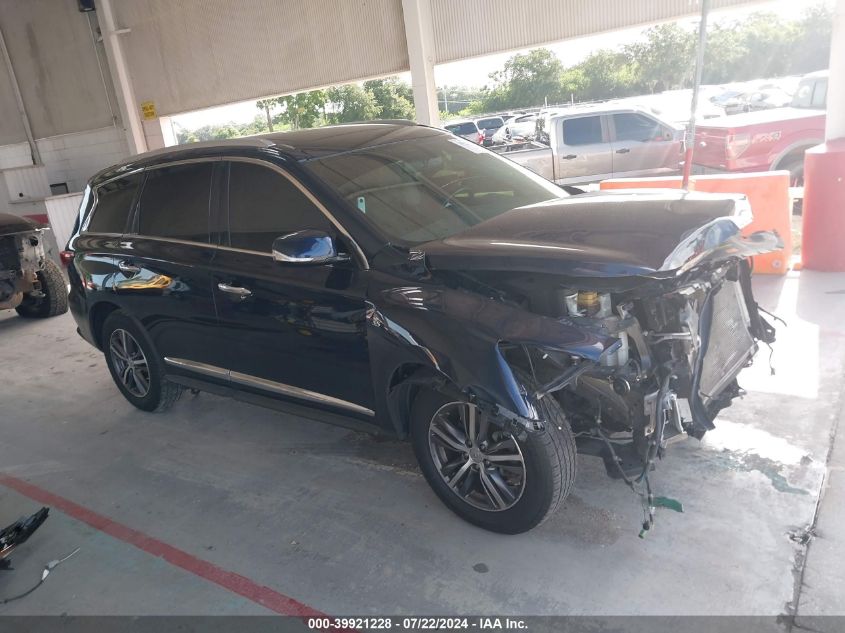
(129, 111)
(419, 35)
(33, 146)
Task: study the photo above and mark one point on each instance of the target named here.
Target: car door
(288, 329)
(164, 277)
(583, 152)
(643, 146)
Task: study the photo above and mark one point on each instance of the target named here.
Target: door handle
(624, 150)
(569, 156)
(128, 268)
(243, 293)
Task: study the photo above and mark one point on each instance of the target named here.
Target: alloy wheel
(478, 462)
(129, 362)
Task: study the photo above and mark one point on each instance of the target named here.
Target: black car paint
(389, 318)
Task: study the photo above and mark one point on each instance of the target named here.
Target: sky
(474, 72)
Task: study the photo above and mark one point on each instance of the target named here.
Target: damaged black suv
(424, 286)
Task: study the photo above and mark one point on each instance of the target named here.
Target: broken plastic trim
(566, 378)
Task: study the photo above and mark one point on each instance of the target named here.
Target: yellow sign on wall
(148, 109)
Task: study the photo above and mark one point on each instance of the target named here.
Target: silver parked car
(467, 129)
(588, 144)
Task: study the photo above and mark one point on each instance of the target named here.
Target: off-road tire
(550, 462)
(54, 301)
(162, 393)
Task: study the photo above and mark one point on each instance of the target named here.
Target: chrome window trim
(96, 201)
(174, 240)
(362, 259)
(266, 385)
(185, 161)
(359, 253)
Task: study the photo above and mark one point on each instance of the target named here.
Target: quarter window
(264, 205)
(820, 95)
(582, 131)
(114, 203)
(175, 202)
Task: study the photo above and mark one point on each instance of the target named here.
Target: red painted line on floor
(235, 583)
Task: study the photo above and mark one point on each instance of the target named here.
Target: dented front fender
(456, 334)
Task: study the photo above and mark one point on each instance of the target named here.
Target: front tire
(493, 480)
(54, 291)
(135, 366)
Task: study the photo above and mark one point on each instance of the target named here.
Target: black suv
(417, 283)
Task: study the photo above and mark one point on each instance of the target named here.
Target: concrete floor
(345, 524)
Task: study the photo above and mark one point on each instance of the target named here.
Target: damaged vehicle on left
(30, 282)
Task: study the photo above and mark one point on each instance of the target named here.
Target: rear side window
(490, 124)
(462, 128)
(820, 95)
(636, 127)
(175, 202)
(264, 205)
(582, 131)
(114, 203)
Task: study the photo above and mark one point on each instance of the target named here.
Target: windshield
(421, 190)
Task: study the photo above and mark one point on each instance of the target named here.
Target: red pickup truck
(765, 139)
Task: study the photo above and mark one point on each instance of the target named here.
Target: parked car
(488, 127)
(517, 129)
(426, 287)
(30, 282)
(757, 100)
(767, 139)
(468, 130)
(588, 144)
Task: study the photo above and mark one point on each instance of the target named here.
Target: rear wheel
(487, 476)
(53, 295)
(135, 366)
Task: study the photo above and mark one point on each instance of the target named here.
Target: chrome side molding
(267, 385)
(200, 368)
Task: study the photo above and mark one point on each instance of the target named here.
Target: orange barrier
(767, 192)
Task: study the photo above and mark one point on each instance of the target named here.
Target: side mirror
(307, 247)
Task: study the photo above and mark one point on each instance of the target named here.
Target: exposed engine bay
(682, 342)
(21, 257)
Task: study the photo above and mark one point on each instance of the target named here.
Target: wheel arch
(99, 313)
(794, 151)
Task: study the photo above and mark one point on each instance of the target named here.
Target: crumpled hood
(606, 234)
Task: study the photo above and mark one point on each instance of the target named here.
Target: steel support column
(129, 110)
(419, 35)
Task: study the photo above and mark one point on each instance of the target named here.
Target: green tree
(608, 74)
(811, 40)
(527, 79)
(352, 103)
(664, 59)
(268, 106)
(394, 97)
(303, 109)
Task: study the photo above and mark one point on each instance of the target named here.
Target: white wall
(70, 158)
(74, 158)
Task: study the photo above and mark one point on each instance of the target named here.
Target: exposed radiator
(730, 345)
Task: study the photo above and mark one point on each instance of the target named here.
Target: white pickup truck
(586, 144)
